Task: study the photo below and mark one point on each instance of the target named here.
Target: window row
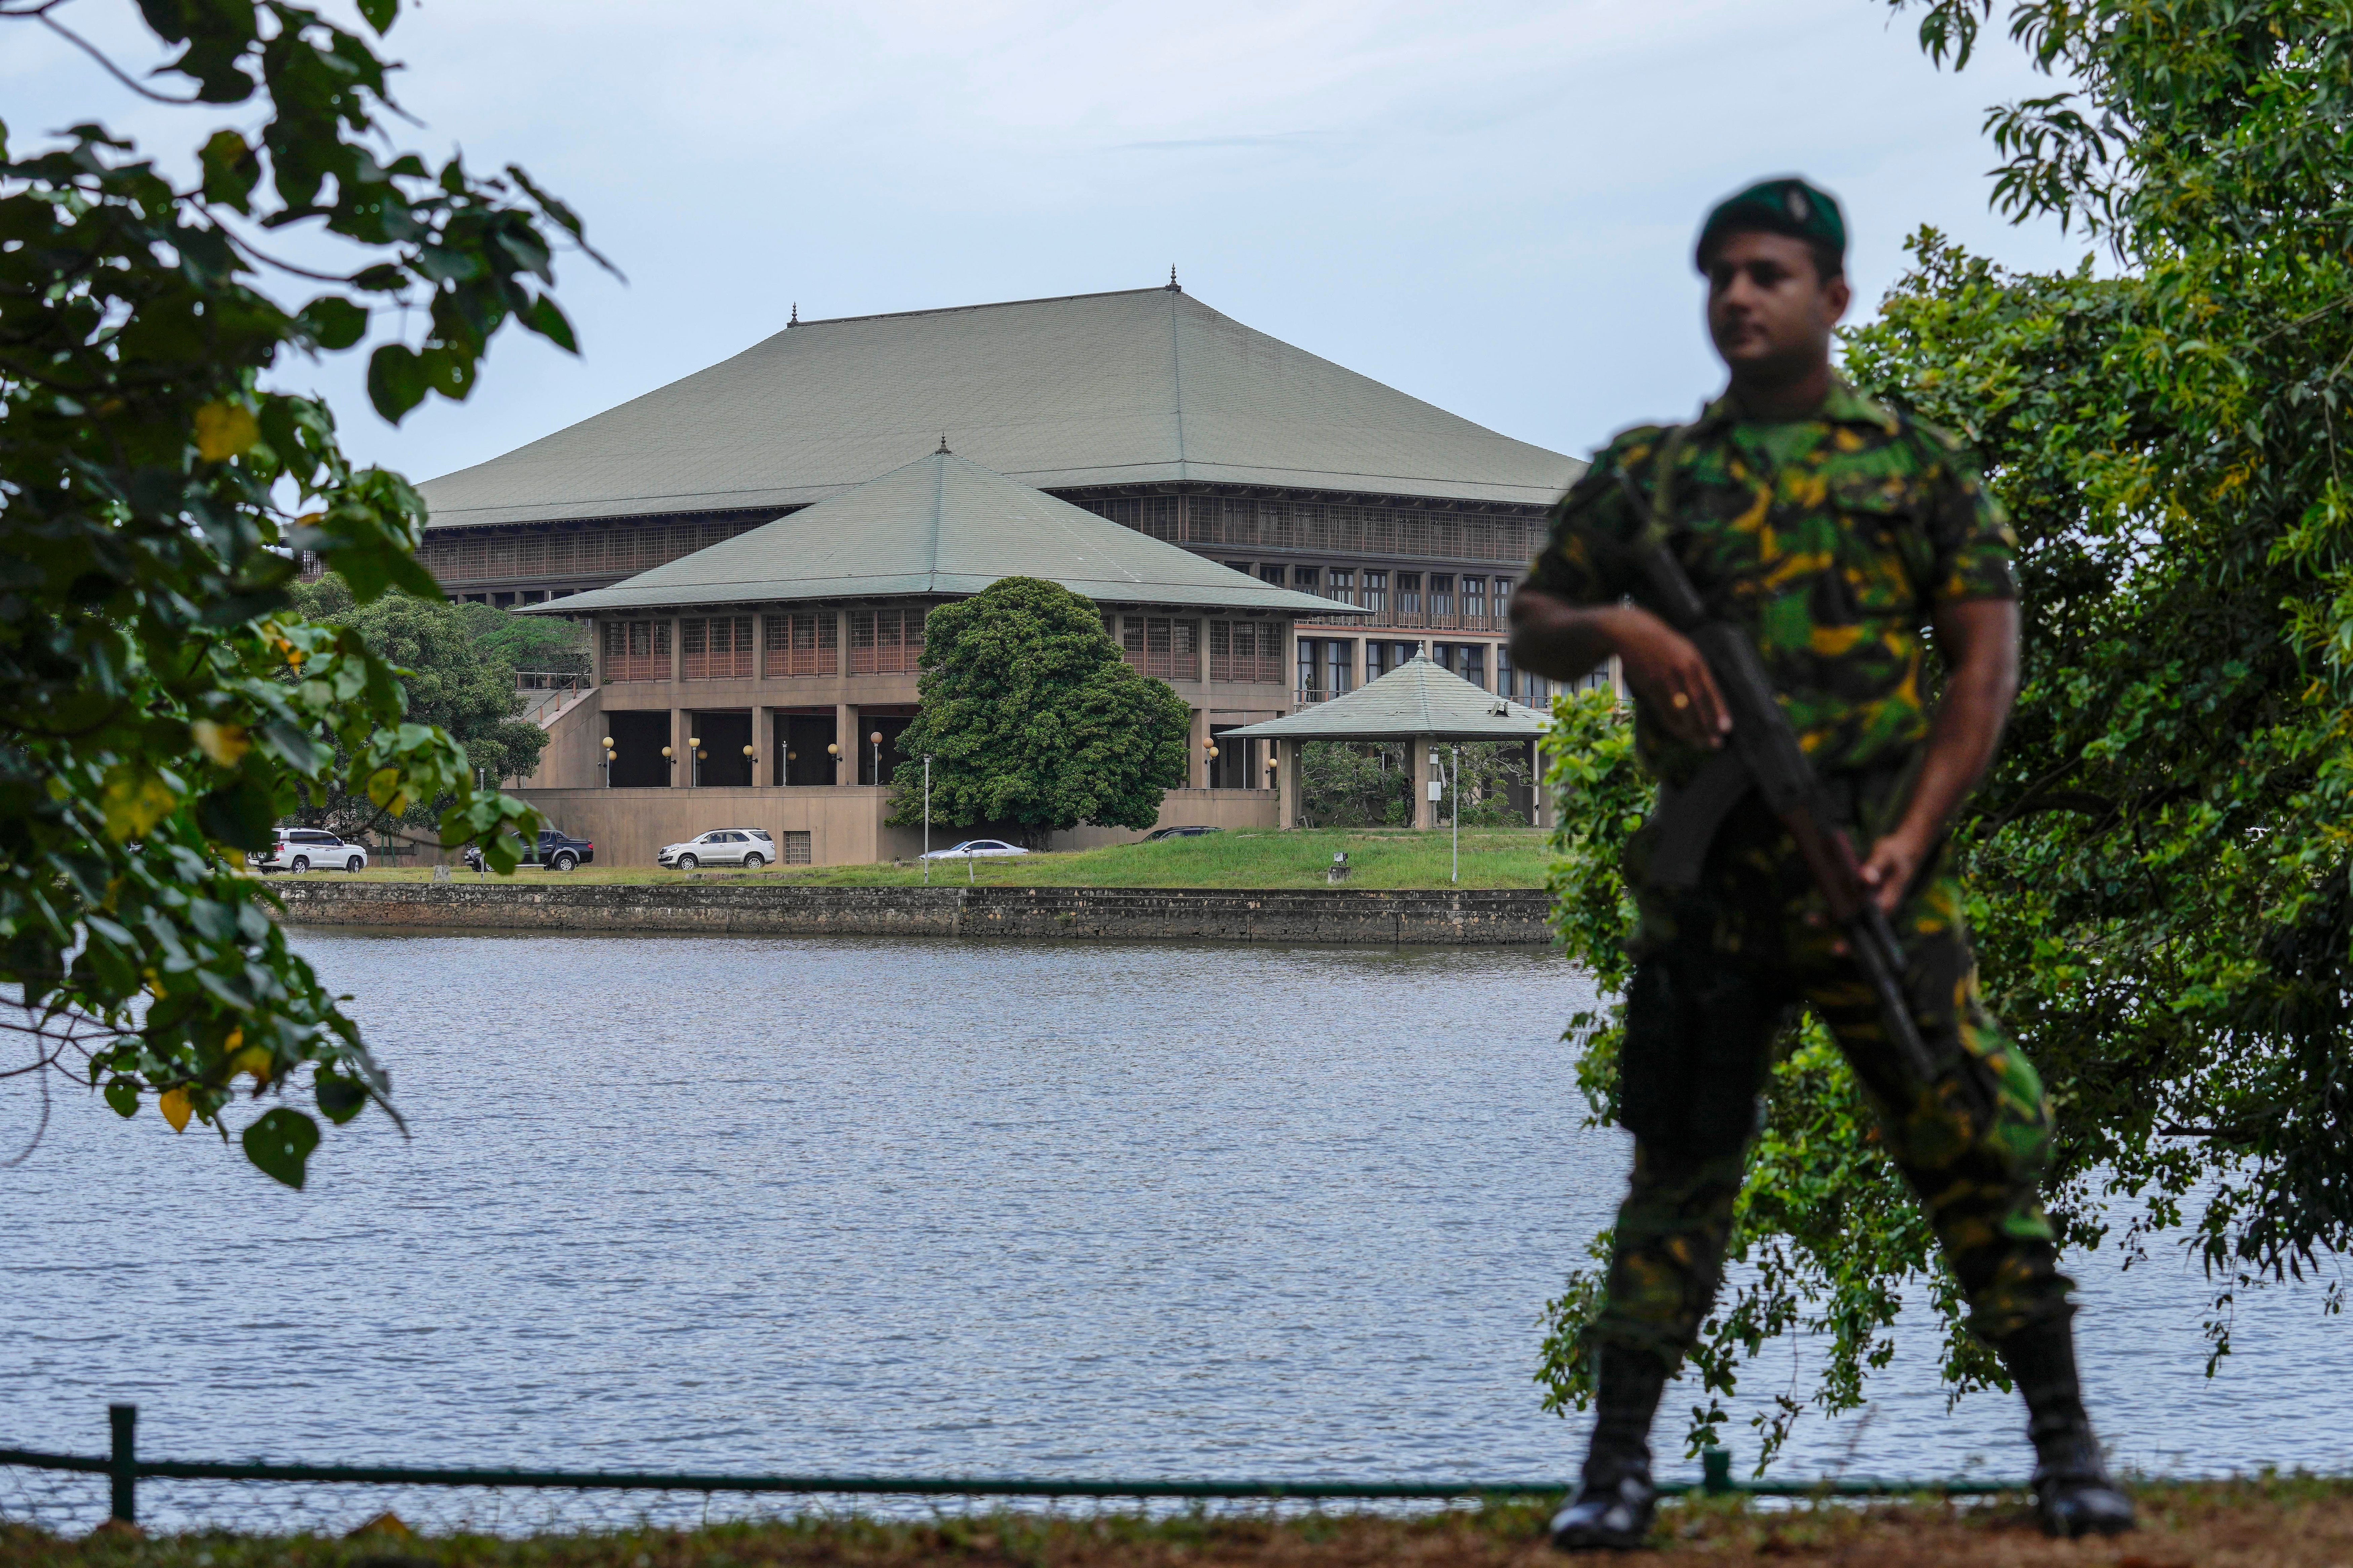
(1436, 599)
(1254, 524)
(608, 548)
(1248, 651)
(1327, 667)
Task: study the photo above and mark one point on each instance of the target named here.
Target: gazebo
(1420, 703)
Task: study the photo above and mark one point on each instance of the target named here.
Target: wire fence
(73, 1493)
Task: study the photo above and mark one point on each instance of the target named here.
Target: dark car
(1159, 833)
(559, 851)
(556, 849)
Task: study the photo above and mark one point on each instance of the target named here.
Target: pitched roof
(1417, 699)
(942, 524)
(1146, 385)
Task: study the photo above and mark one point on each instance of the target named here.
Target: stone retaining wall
(1483, 917)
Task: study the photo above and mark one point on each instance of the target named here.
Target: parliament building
(755, 546)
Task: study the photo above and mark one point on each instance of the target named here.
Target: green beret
(1788, 205)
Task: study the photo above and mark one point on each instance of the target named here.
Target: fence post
(123, 1463)
(1716, 1471)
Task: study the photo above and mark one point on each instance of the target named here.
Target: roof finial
(944, 451)
(1173, 287)
(794, 319)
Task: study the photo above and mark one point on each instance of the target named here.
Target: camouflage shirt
(1827, 540)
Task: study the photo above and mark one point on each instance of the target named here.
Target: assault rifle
(1763, 754)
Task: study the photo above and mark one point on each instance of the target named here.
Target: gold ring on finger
(1682, 700)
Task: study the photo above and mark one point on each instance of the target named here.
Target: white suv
(749, 847)
(309, 848)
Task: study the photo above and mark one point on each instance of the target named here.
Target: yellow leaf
(223, 743)
(254, 1059)
(135, 801)
(173, 1104)
(222, 430)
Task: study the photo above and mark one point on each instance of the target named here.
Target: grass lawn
(2273, 1524)
(1247, 857)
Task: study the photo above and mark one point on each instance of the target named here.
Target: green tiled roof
(1417, 699)
(942, 524)
(1147, 386)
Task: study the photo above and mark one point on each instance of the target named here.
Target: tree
(454, 680)
(1354, 784)
(2159, 863)
(162, 702)
(528, 642)
(1032, 718)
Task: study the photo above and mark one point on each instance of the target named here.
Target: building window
(1339, 665)
(1377, 594)
(1502, 601)
(1242, 566)
(636, 650)
(1303, 578)
(886, 642)
(1161, 648)
(1310, 684)
(1470, 661)
(1343, 586)
(1246, 651)
(1474, 602)
(796, 847)
(718, 648)
(1409, 598)
(1442, 598)
(807, 642)
(1272, 572)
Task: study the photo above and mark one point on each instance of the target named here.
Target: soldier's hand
(1666, 671)
(1894, 860)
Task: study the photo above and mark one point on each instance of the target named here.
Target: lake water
(932, 1207)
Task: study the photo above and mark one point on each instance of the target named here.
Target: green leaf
(122, 1095)
(332, 322)
(340, 1097)
(379, 14)
(279, 1144)
(240, 815)
(396, 381)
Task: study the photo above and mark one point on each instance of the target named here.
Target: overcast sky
(1487, 204)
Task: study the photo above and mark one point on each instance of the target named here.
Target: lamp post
(672, 758)
(833, 751)
(1209, 756)
(875, 739)
(750, 751)
(694, 758)
(609, 754)
(927, 820)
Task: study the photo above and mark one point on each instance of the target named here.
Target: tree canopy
(2158, 865)
(1034, 720)
(162, 702)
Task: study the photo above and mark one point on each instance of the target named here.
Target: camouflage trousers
(1718, 973)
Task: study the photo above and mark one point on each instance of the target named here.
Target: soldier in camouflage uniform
(1831, 529)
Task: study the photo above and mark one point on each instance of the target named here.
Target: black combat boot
(1611, 1511)
(2071, 1489)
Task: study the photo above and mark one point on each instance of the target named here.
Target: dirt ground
(2272, 1523)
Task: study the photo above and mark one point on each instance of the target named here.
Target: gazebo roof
(1418, 700)
(1143, 386)
(942, 524)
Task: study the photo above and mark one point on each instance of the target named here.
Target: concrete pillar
(764, 745)
(1286, 784)
(845, 736)
(681, 771)
(1417, 761)
(1196, 735)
